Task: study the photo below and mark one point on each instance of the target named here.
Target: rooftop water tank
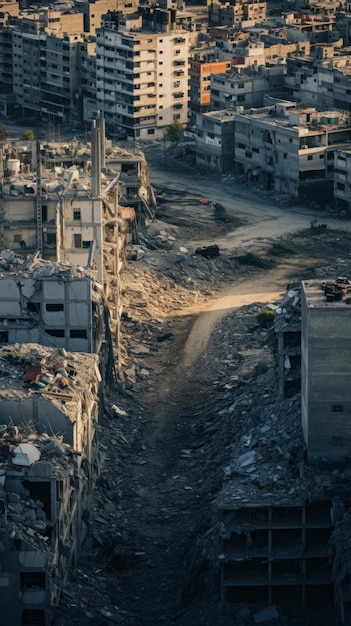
(14, 165)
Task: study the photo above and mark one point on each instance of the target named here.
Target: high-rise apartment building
(142, 73)
(41, 56)
(46, 72)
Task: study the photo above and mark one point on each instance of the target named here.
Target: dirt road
(267, 288)
(265, 215)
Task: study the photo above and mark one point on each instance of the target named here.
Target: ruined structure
(76, 204)
(275, 542)
(54, 196)
(48, 466)
(284, 506)
(56, 305)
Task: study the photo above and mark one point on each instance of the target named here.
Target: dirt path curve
(261, 289)
(267, 287)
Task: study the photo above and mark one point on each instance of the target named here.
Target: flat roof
(315, 294)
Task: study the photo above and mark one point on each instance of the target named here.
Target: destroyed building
(75, 204)
(54, 304)
(287, 327)
(284, 507)
(48, 466)
(60, 198)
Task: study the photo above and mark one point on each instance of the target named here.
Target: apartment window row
(74, 333)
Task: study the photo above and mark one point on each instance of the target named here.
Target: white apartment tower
(142, 73)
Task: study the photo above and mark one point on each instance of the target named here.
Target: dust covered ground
(185, 400)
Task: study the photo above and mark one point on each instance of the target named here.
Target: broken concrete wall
(45, 415)
(52, 310)
(81, 218)
(42, 528)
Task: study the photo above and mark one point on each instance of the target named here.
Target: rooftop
(327, 294)
(61, 377)
(12, 264)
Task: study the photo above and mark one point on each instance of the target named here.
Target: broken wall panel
(51, 304)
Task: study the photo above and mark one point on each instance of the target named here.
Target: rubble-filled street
(197, 392)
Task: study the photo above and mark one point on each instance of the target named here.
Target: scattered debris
(209, 252)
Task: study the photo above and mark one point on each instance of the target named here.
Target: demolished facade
(49, 405)
(54, 195)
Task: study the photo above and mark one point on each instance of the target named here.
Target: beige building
(7, 10)
(60, 216)
(142, 74)
(234, 12)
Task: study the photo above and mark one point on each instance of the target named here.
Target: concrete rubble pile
(21, 448)
(10, 262)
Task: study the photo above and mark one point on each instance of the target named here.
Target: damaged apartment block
(75, 203)
(48, 466)
(284, 509)
(54, 304)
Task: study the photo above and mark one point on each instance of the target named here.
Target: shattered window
(51, 238)
(33, 307)
(4, 336)
(55, 333)
(78, 334)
